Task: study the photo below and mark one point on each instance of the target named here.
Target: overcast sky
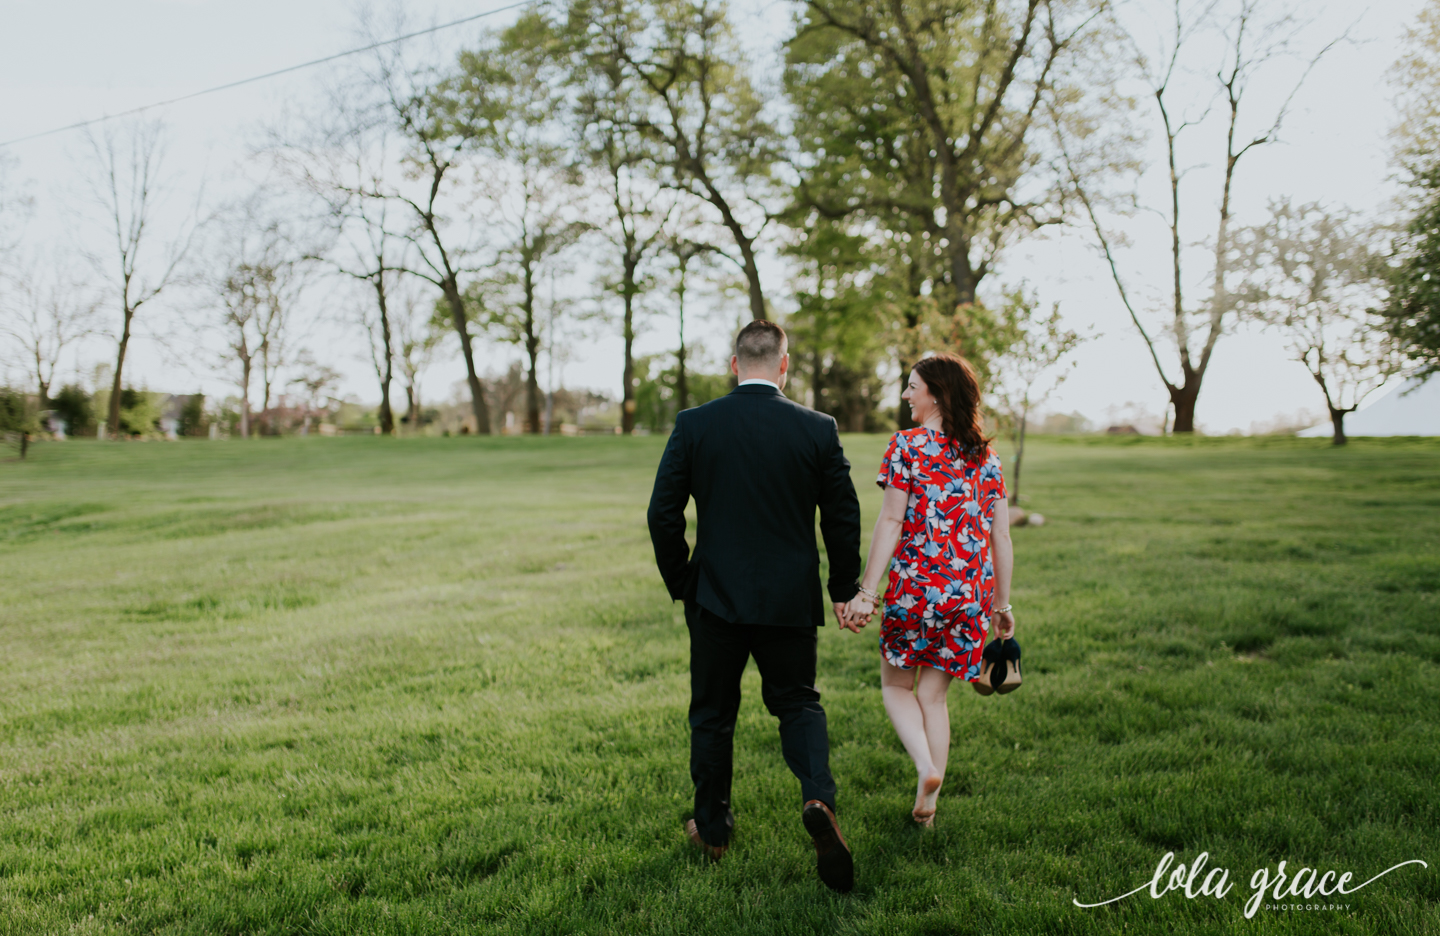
(63, 61)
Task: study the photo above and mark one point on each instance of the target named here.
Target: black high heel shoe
(999, 667)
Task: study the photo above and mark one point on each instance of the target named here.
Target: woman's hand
(859, 610)
(1003, 624)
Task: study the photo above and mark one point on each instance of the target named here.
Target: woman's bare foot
(927, 791)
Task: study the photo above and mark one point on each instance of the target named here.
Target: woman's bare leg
(932, 685)
(897, 688)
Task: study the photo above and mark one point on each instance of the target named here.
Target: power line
(282, 71)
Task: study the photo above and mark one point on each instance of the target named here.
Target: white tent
(1412, 409)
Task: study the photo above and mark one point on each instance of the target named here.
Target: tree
(343, 160)
(377, 320)
(922, 125)
(418, 339)
(1027, 373)
(605, 96)
(18, 420)
(1313, 275)
(837, 328)
(130, 187)
(529, 182)
(1250, 43)
(683, 252)
(261, 276)
(1416, 79)
(437, 125)
(318, 381)
(366, 252)
(692, 98)
(1413, 312)
(50, 312)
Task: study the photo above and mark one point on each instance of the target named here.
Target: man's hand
(853, 615)
(842, 617)
(862, 608)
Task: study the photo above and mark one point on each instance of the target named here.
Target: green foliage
(1413, 312)
(343, 686)
(683, 85)
(139, 412)
(1415, 76)
(656, 395)
(916, 126)
(194, 421)
(837, 333)
(17, 412)
(1028, 370)
(73, 406)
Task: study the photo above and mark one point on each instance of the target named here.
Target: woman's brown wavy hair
(952, 382)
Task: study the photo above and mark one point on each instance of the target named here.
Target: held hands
(855, 613)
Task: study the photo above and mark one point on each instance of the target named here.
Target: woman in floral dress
(945, 523)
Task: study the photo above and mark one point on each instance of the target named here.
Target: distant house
(171, 408)
(1409, 410)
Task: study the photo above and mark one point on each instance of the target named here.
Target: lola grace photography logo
(1286, 890)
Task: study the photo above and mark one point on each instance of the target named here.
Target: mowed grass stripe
(435, 686)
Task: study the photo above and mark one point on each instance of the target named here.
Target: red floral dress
(937, 604)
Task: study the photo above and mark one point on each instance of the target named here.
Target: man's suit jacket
(757, 465)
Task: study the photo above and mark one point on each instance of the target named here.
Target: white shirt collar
(758, 380)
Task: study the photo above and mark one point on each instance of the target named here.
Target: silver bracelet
(868, 593)
(1004, 610)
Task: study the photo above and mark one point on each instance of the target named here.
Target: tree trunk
(532, 388)
(627, 405)
(682, 387)
(1019, 457)
(817, 377)
(912, 319)
(1183, 399)
(962, 275)
(265, 401)
(387, 416)
(747, 249)
(532, 351)
(412, 413)
(462, 330)
(1337, 420)
(245, 399)
(902, 416)
(114, 418)
(752, 277)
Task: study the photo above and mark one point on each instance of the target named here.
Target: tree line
(887, 164)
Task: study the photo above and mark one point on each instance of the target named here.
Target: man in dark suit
(758, 466)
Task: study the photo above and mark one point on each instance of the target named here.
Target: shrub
(193, 419)
(17, 412)
(73, 407)
(139, 412)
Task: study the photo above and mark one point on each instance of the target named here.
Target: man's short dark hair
(760, 344)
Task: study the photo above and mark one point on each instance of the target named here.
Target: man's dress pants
(785, 657)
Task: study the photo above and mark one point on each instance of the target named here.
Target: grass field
(434, 686)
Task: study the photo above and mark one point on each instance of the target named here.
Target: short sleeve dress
(938, 601)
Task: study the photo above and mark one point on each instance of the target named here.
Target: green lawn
(435, 686)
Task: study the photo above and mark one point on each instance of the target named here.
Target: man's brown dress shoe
(714, 853)
(832, 855)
